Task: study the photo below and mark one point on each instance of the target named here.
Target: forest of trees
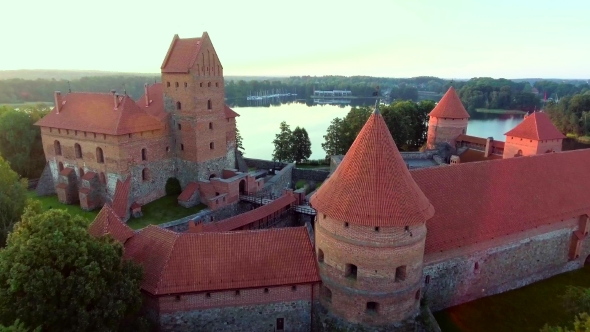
(570, 114)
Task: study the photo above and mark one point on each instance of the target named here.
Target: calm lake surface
(258, 125)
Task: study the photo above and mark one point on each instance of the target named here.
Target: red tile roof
(372, 185)
(181, 55)
(476, 202)
(66, 171)
(450, 106)
(472, 155)
(185, 263)
(88, 176)
(156, 105)
(121, 199)
(229, 113)
(84, 190)
(478, 140)
(536, 126)
(95, 113)
(247, 218)
(107, 222)
(188, 191)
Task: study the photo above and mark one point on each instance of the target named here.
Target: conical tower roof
(450, 106)
(536, 126)
(372, 185)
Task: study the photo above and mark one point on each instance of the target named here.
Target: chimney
(114, 92)
(488, 149)
(57, 100)
(147, 95)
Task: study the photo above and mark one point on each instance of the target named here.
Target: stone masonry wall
(153, 187)
(309, 175)
(261, 164)
(280, 181)
(46, 186)
(254, 309)
(452, 278)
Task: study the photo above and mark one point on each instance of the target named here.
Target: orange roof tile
(84, 190)
(536, 126)
(95, 113)
(450, 106)
(88, 176)
(66, 171)
(478, 140)
(121, 198)
(181, 55)
(246, 218)
(107, 222)
(372, 185)
(476, 202)
(229, 113)
(156, 105)
(185, 263)
(472, 155)
(188, 191)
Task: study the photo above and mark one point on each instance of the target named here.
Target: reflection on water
(259, 124)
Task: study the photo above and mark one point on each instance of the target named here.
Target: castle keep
(497, 216)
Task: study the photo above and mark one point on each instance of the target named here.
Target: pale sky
(394, 38)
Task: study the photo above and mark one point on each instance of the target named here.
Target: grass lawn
(525, 309)
(51, 202)
(251, 169)
(300, 184)
(499, 111)
(162, 210)
(581, 139)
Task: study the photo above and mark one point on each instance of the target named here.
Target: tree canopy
(301, 145)
(13, 198)
(53, 274)
(570, 114)
(283, 144)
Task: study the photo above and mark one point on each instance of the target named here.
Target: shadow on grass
(161, 211)
(525, 309)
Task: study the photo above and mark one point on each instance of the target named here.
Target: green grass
(300, 184)
(157, 212)
(251, 169)
(499, 111)
(162, 210)
(31, 103)
(525, 309)
(51, 202)
(582, 139)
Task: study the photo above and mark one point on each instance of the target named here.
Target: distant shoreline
(499, 111)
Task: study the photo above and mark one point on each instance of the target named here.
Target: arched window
(400, 273)
(201, 84)
(178, 105)
(145, 174)
(185, 84)
(216, 85)
(210, 125)
(209, 84)
(99, 156)
(209, 104)
(350, 271)
(211, 146)
(167, 84)
(144, 154)
(57, 148)
(372, 307)
(78, 150)
(167, 149)
(179, 127)
(176, 84)
(181, 147)
(320, 255)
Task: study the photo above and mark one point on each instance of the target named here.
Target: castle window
(177, 297)
(216, 85)
(407, 229)
(179, 127)
(208, 295)
(266, 290)
(280, 324)
(50, 130)
(210, 125)
(209, 83)
(320, 255)
(104, 136)
(60, 166)
(185, 84)
(59, 131)
(476, 267)
(167, 84)
(144, 154)
(427, 280)
(178, 105)
(145, 174)
(238, 292)
(81, 172)
(211, 146)
(400, 273)
(78, 150)
(57, 148)
(376, 229)
(130, 135)
(350, 271)
(326, 293)
(99, 156)
(67, 131)
(372, 307)
(182, 147)
(417, 297)
(293, 288)
(209, 104)
(176, 84)
(167, 149)
(201, 84)
(76, 132)
(345, 225)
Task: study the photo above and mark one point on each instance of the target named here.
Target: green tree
(53, 274)
(581, 324)
(20, 141)
(301, 144)
(239, 141)
(18, 326)
(335, 140)
(13, 198)
(283, 144)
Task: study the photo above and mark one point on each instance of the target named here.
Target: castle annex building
(500, 215)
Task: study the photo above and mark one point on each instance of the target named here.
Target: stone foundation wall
(309, 175)
(459, 276)
(188, 171)
(278, 183)
(324, 321)
(46, 186)
(145, 191)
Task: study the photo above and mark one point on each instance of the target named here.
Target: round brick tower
(447, 120)
(370, 233)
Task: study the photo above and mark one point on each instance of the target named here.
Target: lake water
(258, 125)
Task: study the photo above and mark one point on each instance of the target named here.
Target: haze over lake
(258, 126)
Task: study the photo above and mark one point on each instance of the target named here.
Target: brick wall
(502, 264)
(442, 130)
(388, 264)
(254, 309)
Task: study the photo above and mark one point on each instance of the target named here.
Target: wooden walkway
(305, 209)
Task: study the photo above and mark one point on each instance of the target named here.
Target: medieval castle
(497, 216)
